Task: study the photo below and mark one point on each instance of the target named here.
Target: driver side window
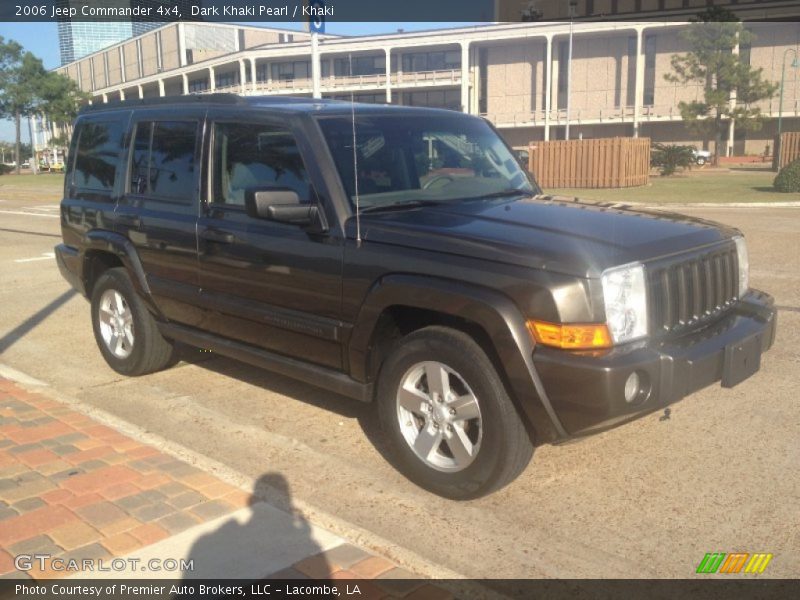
(253, 155)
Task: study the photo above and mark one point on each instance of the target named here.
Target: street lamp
(572, 5)
(795, 65)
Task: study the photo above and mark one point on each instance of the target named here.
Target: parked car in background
(701, 157)
(399, 256)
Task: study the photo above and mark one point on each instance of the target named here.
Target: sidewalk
(76, 489)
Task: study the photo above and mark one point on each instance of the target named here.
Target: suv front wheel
(452, 428)
(124, 329)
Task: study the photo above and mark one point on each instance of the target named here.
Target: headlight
(625, 295)
(744, 265)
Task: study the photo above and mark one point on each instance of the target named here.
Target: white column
(732, 124)
(315, 67)
(253, 75)
(638, 96)
(122, 94)
(242, 77)
(548, 85)
(105, 98)
(161, 88)
(388, 52)
(465, 77)
(212, 80)
(185, 79)
(141, 91)
(181, 45)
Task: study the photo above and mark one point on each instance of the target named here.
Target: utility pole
(316, 25)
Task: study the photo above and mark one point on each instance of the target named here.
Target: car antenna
(355, 156)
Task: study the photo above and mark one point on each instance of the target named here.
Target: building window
(288, 71)
(198, 85)
(450, 99)
(225, 79)
(361, 65)
(483, 69)
(649, 70)
(563, 73)
(431, 61)
(630, 88)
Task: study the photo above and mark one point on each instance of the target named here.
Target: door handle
(218, 236)
(129, 220)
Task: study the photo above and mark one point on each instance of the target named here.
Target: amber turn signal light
(570, 336)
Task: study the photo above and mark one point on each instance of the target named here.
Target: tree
(669, 158)
(27, 88)
(21, 77)
(712, 62)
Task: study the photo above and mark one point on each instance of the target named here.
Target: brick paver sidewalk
(73, 488)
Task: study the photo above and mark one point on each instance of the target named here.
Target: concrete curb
(404, 557)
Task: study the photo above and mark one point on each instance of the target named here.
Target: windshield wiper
(503, 194)
(401, 205)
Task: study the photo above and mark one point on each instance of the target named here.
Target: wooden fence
(593, 163)
(789, 148)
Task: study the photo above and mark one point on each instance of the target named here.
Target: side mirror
(279, 204)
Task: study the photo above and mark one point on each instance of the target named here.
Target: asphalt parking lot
(645, 500)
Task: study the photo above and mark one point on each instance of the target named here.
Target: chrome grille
(693, 290)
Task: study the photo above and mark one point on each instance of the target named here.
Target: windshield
(404, 160)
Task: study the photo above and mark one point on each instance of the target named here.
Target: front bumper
(587, 390)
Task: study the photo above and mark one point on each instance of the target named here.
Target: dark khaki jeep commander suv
(399, 256)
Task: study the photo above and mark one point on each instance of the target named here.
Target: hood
(560, 234)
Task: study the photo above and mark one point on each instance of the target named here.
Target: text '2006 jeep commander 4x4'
(401, 256)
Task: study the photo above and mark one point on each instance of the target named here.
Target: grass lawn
(48, 181)
(36, 189)
(736, 185)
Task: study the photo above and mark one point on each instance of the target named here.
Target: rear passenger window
(163, 164)
(251, 155)
(97, 156)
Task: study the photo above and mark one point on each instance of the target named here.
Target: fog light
(632, 387)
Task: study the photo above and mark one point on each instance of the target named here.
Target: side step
(323, 377)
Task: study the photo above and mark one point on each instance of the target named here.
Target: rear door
(159, 205)
(273, 285)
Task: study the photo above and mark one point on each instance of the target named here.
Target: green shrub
(5, 169)
(788, 179)
(669, 158)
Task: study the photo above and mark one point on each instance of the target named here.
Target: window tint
(163, 160)
(97, 156)
(248, 155)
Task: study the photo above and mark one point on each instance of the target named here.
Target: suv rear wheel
(125, 330)
(451, 425)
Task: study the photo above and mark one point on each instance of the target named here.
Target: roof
(289, 104)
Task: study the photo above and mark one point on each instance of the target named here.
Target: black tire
(150, 351)
(701, 160)
(505, 448)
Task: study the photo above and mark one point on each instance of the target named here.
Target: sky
(42, 40)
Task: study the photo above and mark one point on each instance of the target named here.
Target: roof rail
(161, 100)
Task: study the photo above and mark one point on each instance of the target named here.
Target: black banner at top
(262, 11)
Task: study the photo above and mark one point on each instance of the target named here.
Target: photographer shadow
(259, 542)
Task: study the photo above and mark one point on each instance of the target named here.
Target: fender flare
(118, 245)
(494, 312)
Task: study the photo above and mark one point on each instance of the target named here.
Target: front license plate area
(742, 359)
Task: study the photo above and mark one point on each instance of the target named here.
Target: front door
(270, 284)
